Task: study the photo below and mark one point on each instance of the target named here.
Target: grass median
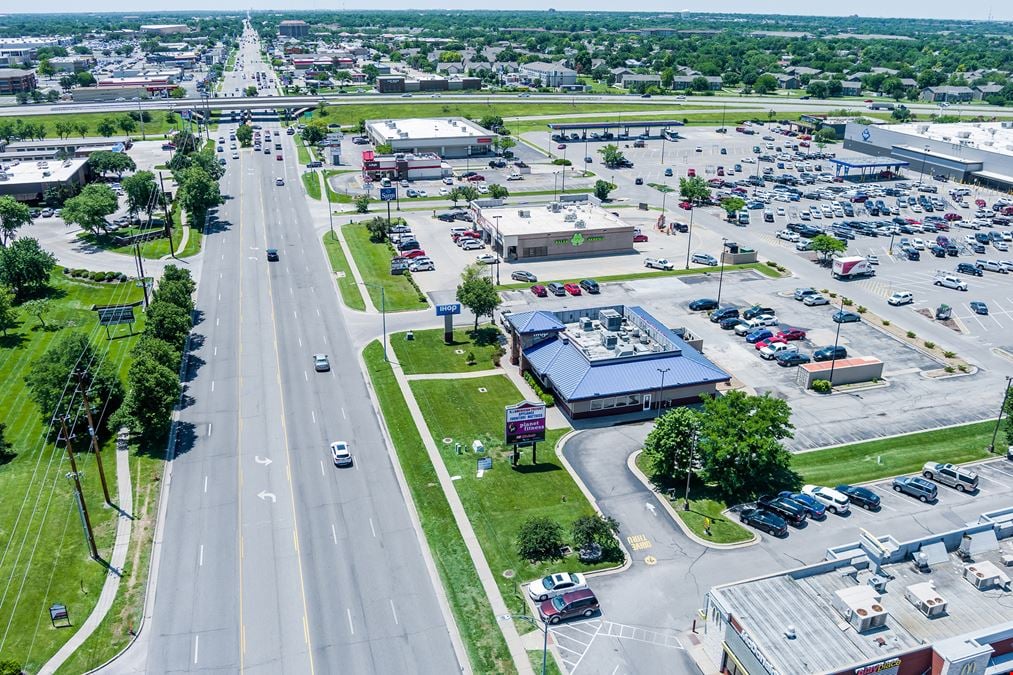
(426, 352)
(311, 181)
(483, 639)
(373, 262)
(762, 268)
(48, 560)
(350, 293)
(463, 410)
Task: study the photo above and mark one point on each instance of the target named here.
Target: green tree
(467, 193)
(39, 308)
(250, 91)
(491, 122)
(901, 114)
(45, 68)
(504, 143)
(85, 79)
(314, 132)
(140, 189)
(588, 532)
(13, 216)
(90, 208)
(1008, 425)
(158, 350)
(168, 322)
(181, 275)
(827, 247)
(362, 204)
(732, 205)
(694, 190)
(67, 82)
(197, 192)
(611, 155)
(740, 445)
(127, 124)
(765, 84)
(672, 443)
(154, 390)
(377, 229)
(177, 92)
(384, 149)
(540, 538)
(8, 315)
(106, 126)
(81, 128)
(107, 161)
(25, 266)
(497, 191)
(244, 134)
(477, 293)
(48, 376)
(7, 454)
(817, 89)
(826, 135)
(602, 189)
(177, 293)
(64, 128)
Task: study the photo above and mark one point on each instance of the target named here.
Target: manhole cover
(508, 574)
(483, 390)
(459, 351)
(448, 441)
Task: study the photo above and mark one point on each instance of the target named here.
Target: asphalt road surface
(276, 561)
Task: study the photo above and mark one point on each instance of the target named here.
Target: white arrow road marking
(650, 507)
(262, 460)
(267, 495)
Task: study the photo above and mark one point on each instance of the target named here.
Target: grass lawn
(350, 293)
(373, 262)
(332, 194)
(487, 649)
(48, 554)
(661, 187)
(311, 181)
(504, 498)
(155, 248)
(871, 460)
(766, 270)
(722, 529)
(302, 153)
(156, 128)
(428, 353)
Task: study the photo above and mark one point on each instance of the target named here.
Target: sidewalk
(111, 586)
(517, 651)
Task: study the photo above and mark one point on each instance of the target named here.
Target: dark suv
(724, 313)
(755, 311)
(860, 496)
(792, 512)
(566, 606)
(830, 353)
(969, 268)
(764, 520)
(590, 285)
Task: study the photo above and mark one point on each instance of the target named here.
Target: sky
(973, 9)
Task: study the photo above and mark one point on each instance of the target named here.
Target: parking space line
(567, 649)
(992, 480)
(995, 468)
(574, 627)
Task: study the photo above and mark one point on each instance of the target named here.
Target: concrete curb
(427, 555)
(591, 500)
(631, 464)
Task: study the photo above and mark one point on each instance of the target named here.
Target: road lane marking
(295, 314)
(205, 484)
(196, 647)
(200, 561)
(351, 626)
(212, 385)
(373, 529)
(334, 534)
(343, 415)
(219, 297)
(318, 312)
(394, 612)
(314, 416)
(300, 341)
(322, 473)
(209, 428)
(217, 320)
(306, 376)
(325, 338)
(305, 629)
(216, 350)
(638, 542)
(295, 541)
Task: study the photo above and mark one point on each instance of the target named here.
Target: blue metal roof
(562, 365)
(534, 322)
(869, 164)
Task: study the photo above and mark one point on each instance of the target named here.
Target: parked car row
(562, 288)
(563, 595)
(411, 257)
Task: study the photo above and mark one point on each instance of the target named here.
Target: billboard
(525, 422)
(448, 309)
(388, 194)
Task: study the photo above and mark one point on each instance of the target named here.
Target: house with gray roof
(611, 360)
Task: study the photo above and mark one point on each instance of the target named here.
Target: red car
(685, 205)
(168, 146)
(868, 100)
(572, 289)
(476, 178)
(791, 334)
(417, 253)
(769, 341)
(278, 157)
(561, 146)
(691, 173)
(953, 216)
(467, 234)
(540, 291)
(980, 203)
(639, 238)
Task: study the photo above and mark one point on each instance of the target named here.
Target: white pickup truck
(658, 263)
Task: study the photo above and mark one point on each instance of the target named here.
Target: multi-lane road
(272, 559)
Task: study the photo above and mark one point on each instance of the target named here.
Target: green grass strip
(350, 293)
(762, 268)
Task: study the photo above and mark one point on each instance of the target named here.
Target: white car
(486, 259)
(780, 211)
(788, 235)
(950, 281)
(918, 244)
(815, 299)
(748, 160)
(556, 584)
(900, 298)
(279, 181)
(764, 320)
(828, 497)
(872, 259)
(447, 180)
(444, 192)
(803, 245)
(340, 453)
(471, 245)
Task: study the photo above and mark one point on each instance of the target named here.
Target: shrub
(911, 334)
(833, 295)
(949, 355)
(544, 397)
(962, 367)
(771, 263)
(821, 386)
(886, 322)
(123, 276)
(112, 276)
(847, 302)
(97, 276)
(824, 291)
(862, 309)
(66, 270)
(540, 539)
(562, 162)
(949, 369)
(929, 344)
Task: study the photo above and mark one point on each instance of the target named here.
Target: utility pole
(75, 475)
(140, 266)
(1002, 408)
(168, 219)
(84, 381)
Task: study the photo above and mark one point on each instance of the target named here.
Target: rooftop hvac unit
(963, 134)
(985, 575)
(524, 213)
(569, 217)
(585, 323)
(554, 207)
(579, 224)
(1007, 125)
(926, 599)
(923, 128)
(635, 332)
(921, 561)
(609, 340)
(625, 350)
(859, 605)
(610, 319)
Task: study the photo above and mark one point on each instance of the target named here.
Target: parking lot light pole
(837, 337)
(689, 241)
(542, 626)
(661, 390)
(562, 189)
(921, 173)
(721, 275)
(1005, 396)
(689, 472)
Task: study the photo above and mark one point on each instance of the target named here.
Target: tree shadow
(11, 341)
(198, 318)
(193, 365)
(216, 226)
(485, 336)
(45, 328)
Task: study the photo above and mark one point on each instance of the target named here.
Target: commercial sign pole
(524, 423)
(388, 194)
(448, 311)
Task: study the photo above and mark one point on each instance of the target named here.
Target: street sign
(448, 309)
(525, 422)
(388, 194)
(484, 463)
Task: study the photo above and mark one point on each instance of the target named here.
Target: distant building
(112, 93)
(785, 81)
(636, 81)
(686, 81)
(947, 94)
(72, 64)
(398, 84)
(16, 80)
(27, 181)
(851, 88)
(294, 28)
(552, 75)
(446, 137)
(165, 28)
(404, 166)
